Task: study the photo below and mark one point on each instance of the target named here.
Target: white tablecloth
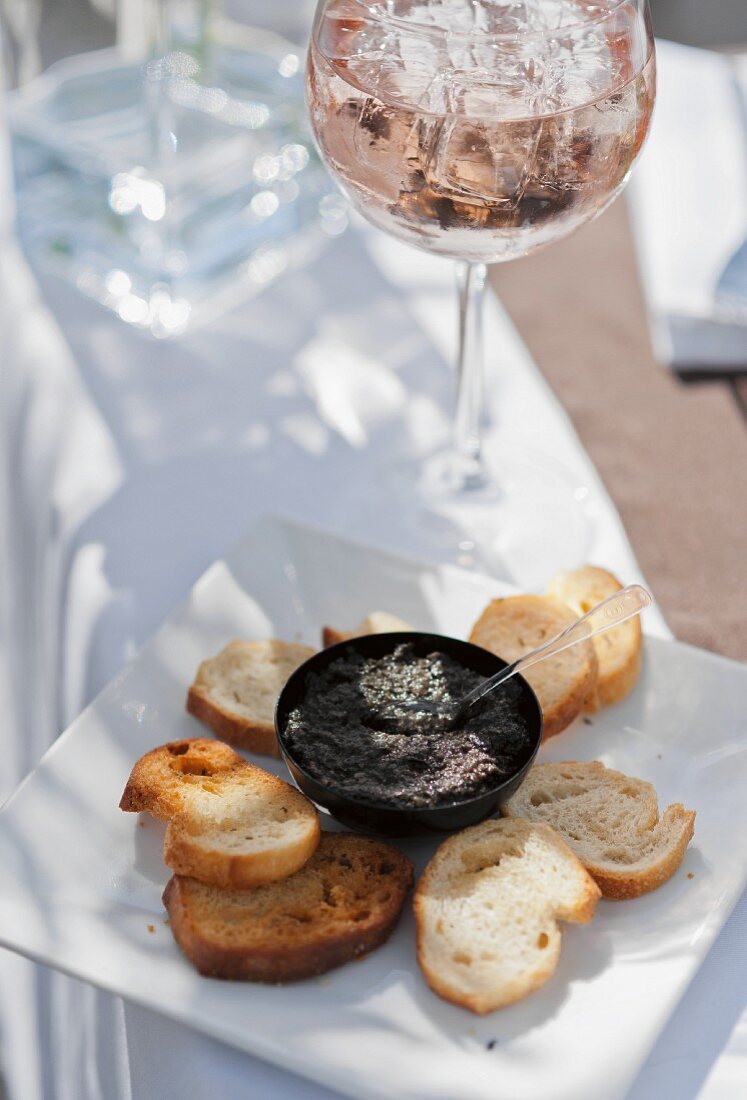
(128, 466)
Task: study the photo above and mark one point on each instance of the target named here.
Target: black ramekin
(390, 820)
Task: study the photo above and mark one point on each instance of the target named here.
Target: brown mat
(673, 455)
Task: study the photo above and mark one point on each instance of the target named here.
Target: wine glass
(483, 130)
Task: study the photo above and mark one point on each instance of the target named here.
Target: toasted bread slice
(235, 693)
(230, 823)
(487, 908)
(565, 683)
(618, 650)
(162, 782)
(611, 822)
(378, 622)
(342, 904)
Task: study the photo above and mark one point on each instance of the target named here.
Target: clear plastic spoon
(611, 612)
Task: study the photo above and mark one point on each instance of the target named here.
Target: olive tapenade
(347, 733)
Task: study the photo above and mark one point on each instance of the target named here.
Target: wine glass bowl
(483, 130)
(480, 131)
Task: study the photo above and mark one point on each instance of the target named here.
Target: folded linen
(688, 201)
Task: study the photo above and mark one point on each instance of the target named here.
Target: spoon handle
(612, 611)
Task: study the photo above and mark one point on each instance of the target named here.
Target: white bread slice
(378, 622)
(235, 693)
(565, 683)
(610, 820)
(342, 904)
(230, 823)
(487, 907)
(618, 650)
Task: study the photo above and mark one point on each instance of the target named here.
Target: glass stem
(470, 474)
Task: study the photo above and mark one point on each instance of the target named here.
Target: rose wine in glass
(482, 130)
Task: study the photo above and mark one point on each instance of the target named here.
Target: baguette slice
(342, 904)
(164, 780)
(618, 650)
(230, 823)
(487, 907)
(565, 683)
(611, 822)
(378, 622)
(235, 693)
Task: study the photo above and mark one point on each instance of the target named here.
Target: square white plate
(80, 882)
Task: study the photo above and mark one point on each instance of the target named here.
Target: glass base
(520, 517)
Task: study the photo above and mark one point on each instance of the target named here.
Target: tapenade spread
(347, 733)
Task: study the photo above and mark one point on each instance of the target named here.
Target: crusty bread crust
(184, 853)
(514, 625)
(610, 820)
(452, 877)
(618, 650)
(234, 693)
(376, 622)
(344, 903)
(230, 822)
(330, 636)
(162, 777)
(633, 882)
(254, 736)
(512, 992)
(559, 717)
(616, 687)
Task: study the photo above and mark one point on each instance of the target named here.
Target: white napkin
(688, 200)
